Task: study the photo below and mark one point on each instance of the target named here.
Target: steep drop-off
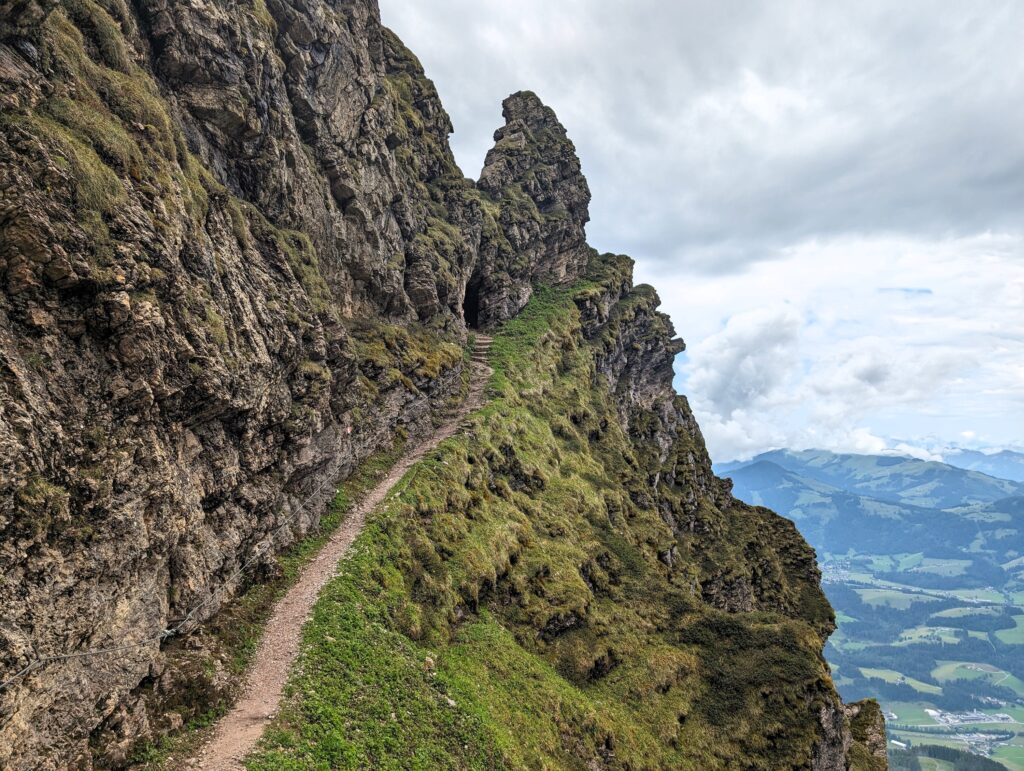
(237, 259)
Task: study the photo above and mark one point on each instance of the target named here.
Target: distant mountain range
(887, 477)
(872, 503)
(1006, 464)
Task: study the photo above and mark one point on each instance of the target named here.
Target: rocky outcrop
(314, 114)
(749, 558)
(201, 323)
(867, 731)
(634, 348)
(238, 258)
(534, 176)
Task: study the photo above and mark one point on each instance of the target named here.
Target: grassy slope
(506, 607)
(512, 589)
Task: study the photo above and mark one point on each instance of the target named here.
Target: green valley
(923, 564)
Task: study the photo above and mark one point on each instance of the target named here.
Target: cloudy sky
(829, 197)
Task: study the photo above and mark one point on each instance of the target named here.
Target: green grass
(370, 697)
(979, 595)
(943, 567)
(974, 610)
(1011, 756)
(910, 713)
(922, 634)
(891, 676)
(942, 740)
(962, 670)
(965, 670)
(1013, 636)
(892, 598)
(934, 764)
(909, 561)
(513, 589)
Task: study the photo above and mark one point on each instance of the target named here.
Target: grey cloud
(716, 134)
(747, 361)
(861, 161)
(874, 374)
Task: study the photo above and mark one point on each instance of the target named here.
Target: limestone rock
(237, 258)
(538, 235)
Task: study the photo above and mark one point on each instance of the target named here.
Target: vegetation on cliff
(508, 607)
(238, 260)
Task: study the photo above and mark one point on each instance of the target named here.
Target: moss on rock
(512, 605)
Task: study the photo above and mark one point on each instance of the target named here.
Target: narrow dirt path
(238, 731)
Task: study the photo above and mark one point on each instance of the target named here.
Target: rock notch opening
(471, 303)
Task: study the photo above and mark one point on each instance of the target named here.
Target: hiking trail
(236, 733)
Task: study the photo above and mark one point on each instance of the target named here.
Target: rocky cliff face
(238, 259)
(534, 176)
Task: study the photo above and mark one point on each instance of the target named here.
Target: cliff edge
(239, 264)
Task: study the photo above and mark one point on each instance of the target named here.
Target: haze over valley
(924, 565)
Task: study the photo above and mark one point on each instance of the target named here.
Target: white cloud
(747, 362)
(720, 133)
(828, 195)
(814, 357)
(915, 451)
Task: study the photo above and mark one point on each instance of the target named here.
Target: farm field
(968, 670)
(1012, 757)
(969, 611)
(917, 644)
(916, 653)
(942, 634)
(892, 598)
(1013, 636)
(934, 764)
(890, 676)
(909, 713)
